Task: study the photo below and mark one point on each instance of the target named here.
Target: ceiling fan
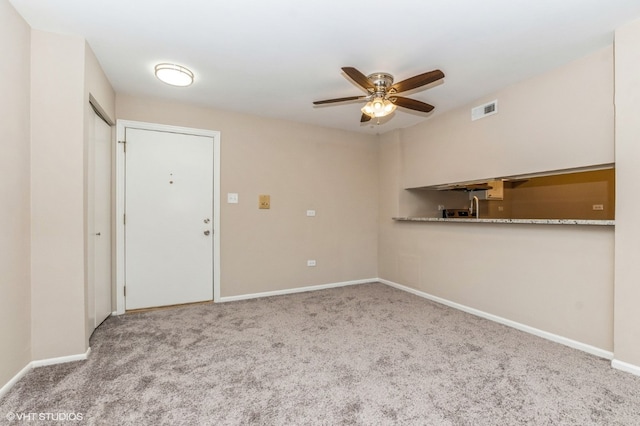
(381, 97)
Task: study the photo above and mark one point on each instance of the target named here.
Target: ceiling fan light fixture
(378, 107)
(175, 75)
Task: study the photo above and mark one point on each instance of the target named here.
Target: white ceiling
(274, 58)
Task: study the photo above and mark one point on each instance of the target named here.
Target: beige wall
(302, 167)
(558, 279)
(64, 71)
(96, 85)
(627, 283)
(57, 191)
(15, 293)
(558, 120)
(565, 196)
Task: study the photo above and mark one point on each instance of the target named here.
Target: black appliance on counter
(455, 213)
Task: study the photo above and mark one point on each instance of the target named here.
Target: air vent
(484, 110)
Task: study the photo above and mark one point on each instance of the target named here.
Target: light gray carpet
(366, 354)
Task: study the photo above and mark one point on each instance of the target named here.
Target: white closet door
(102, 220)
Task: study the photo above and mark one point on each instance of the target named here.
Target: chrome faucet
(475, 201)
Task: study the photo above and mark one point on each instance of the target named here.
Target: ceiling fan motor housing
(382, 81)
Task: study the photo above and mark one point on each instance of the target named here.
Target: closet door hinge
(124, 144)
(124, 219)
(125, 290)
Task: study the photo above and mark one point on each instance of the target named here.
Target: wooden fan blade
(365, 118)
(411, 104)
(359, 78)
(417, 81)
(330, 101)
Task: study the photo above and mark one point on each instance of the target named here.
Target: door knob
(207, 232)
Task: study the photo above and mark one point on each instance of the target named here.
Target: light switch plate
(264, 202)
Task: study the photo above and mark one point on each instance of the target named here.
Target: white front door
(168, 218)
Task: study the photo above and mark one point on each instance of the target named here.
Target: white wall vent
(484, 110)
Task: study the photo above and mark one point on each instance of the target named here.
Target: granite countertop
(522, 221)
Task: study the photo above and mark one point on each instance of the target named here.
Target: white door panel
(169, 223)
(102, 220)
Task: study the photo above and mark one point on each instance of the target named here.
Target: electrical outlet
(232, 198)
(598, 207)
(311, 262)
(440, 207)
(311, 213)
(264, 202)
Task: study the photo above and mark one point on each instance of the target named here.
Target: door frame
(121, 126)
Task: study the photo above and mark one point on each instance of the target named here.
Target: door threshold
(160, 308)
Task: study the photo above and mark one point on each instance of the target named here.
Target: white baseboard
(626, 367)
(41, 363)
(14, 380)
(522, 327)
(295, 290)
(60, 360)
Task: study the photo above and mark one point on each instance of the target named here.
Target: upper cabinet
(494, 192)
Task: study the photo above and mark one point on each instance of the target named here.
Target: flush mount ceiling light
(174, 75)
